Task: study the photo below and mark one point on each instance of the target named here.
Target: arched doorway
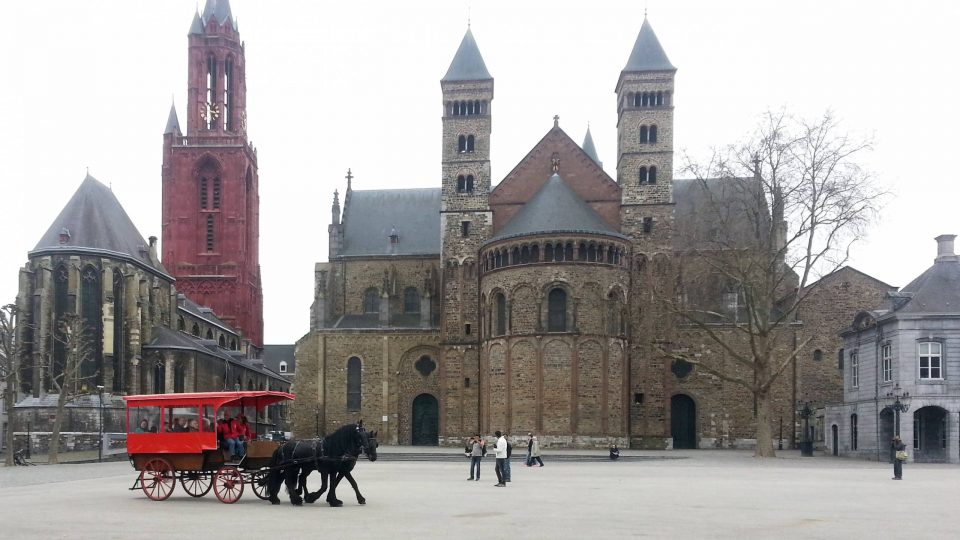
(425, 420)
(835, 439)
(683, 422)
(930, 435)
(886, 432)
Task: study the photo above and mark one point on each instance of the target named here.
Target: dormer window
(283, 367)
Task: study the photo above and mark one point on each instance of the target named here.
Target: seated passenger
(241, 430)
(143, 427)
(193, 426)
(178, 426)
(231, 439)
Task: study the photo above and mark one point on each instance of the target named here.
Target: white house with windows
(910, 348)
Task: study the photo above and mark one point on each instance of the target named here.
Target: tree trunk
(764, 428)
(9, 397)
(54, 453)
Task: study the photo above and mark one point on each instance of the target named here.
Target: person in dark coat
(614, 453)
(898, 457)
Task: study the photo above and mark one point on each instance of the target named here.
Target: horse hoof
(296, 502)
(309, 500)
(335, 503)
(274, 501)
(361, 501)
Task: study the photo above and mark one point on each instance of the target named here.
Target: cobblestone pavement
(709, 494)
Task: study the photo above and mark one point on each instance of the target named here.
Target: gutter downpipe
(878, 339)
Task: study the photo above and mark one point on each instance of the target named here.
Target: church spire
(647, 54)
(173, 123)
(467, 64)
(589, 147)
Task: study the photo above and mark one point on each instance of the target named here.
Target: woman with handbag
(900, 455)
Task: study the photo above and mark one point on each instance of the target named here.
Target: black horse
(335, 471)
(294, 460)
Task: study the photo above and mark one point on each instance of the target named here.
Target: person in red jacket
(231, 439)
(241, 431)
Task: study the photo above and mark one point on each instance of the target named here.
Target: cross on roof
(349, 177)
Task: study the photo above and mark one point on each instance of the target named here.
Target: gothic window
(557, 310)
(195, 330)
(159, 385)
(222, 342)
(233, 344)
(500, 305)
(411, 300)
(644, 134)
(353, 383)
(209, 233)
(371, 300)
(249, 384)
(181, 326)
(179, 378)
(91, 306)
(211, 91)
(643, 175)
(653, 134)
(118, 334)
(209, 334)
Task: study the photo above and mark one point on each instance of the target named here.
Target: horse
(338, 470)
(294, 460)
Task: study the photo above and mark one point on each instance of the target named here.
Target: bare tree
(9, 371)
(784, 208)
(67, 380)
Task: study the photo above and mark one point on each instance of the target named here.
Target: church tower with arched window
(645, 142)
(210, 185)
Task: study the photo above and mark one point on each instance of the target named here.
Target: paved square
(708, 494)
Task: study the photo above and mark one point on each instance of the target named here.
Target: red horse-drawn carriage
(174, 436)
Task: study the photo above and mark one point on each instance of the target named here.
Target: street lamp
(100, 401)
(806, 445)
(901, 404)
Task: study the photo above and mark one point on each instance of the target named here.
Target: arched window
(515, 256)
(643, 175)
(500, 307)
(461, 184)
(195, 330)
(249, 384)
(653, 134)
(411, 300)
(469, 185)
(91, 309)
(461, 144)
(209, 334)
(222, 342)
(652, 175)
(371, 300)
(159, 385)
(660, 99)
(470, 143)
(582, 252)
(211, 91)
(181, 326)
(179, 378)
(592, 253)
(644, 134)
(233, 344)
(557, 310)
(535, 253)
(228, 96)
(353, 383)
(283, 367)
(568, 252)
(525, 255)
(548, 252)
(497, 260)
(636, 100)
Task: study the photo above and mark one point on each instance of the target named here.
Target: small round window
(425, 365)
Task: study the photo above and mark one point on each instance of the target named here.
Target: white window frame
(855, 368)
(886, 355)
(283, 367)
(926, 355)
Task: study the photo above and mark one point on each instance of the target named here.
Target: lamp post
(806, 445)
(901, 404)
(100, 402)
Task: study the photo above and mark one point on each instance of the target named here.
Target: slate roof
(647, 54)
(97, 224)
(937, 290)
(467, 64)
(202, 312)
(218, 9)
(555, 208)
(274, 354)
(165, 338)
(196, 27)
(713, 212)
(589, 148)
(369, 217)
(173, 123)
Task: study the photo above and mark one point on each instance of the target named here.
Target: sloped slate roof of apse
(555, 208)
(371, 215)
(97, 222)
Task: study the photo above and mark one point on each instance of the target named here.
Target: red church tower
(211, 208)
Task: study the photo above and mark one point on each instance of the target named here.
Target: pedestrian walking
(506, 462)
(501, 455)
(529, 448)
(476, 454)
(900, 455)
(535, 452)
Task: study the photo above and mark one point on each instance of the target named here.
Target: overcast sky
(333, 85)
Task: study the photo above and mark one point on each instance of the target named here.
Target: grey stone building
(909, 345)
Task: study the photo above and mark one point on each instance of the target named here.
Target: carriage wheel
(196, 484)
(258, 482)
(157, 479)
(228, 484)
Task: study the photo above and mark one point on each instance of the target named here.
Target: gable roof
(97, 223)
(467, 64)
(850, 270)
(647, 54)
(555, 208)
(936, 290)
(371, 216)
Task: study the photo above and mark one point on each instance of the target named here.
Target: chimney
(945, 248)
(64, 235)
(153, 249)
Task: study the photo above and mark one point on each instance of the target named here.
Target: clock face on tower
(209, 112)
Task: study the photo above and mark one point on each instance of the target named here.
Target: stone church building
(473, 307)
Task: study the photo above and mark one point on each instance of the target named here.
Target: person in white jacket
(501, 454)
